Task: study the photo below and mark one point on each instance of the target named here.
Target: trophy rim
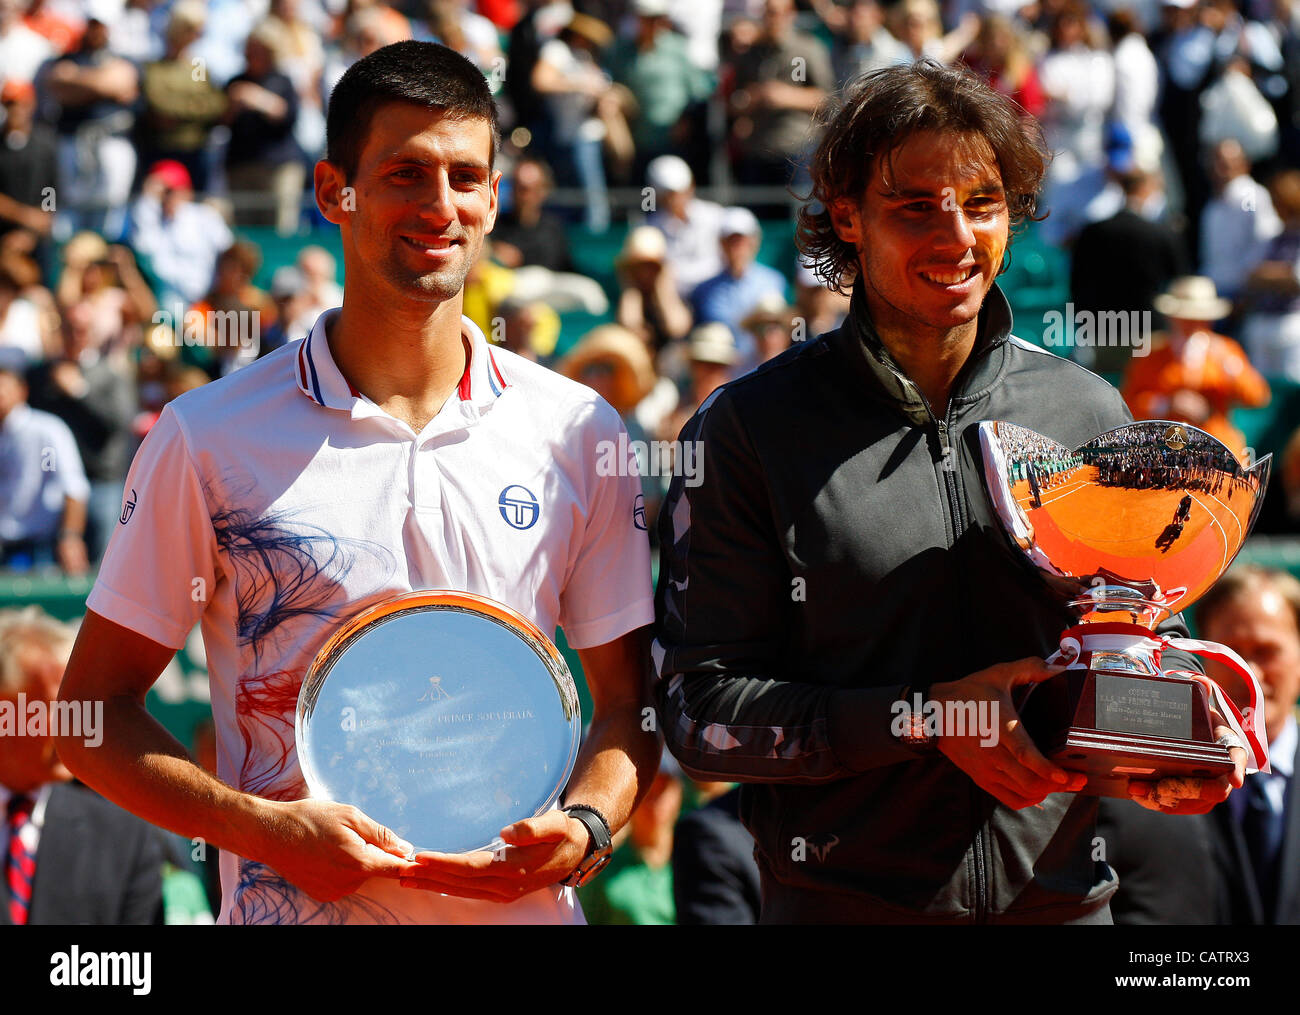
(404, 604)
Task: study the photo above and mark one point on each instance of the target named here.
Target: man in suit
(70, 856)
(1256, 611)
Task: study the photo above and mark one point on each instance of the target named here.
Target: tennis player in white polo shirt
(391, 450)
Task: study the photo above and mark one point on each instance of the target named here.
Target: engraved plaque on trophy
(445, 716)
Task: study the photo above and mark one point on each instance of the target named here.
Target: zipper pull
(943, 437)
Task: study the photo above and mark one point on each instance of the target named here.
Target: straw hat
(771, 308)
(1192, 298)
(592, 29)
(644, 243)
(713, 343)
(634, 373)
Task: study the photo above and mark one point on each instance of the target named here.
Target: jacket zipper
(944, 431)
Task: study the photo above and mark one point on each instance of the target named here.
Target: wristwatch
(599, 848)
(915, 734)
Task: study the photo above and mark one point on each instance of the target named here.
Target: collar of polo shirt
(320, 379)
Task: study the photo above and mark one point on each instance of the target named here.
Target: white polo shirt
(273, 505)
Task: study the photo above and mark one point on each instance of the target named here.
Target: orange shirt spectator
(1194, 374)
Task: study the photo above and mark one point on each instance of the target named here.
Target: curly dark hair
(879, 112)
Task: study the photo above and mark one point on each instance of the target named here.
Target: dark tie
(20, 866)
(1262, 826)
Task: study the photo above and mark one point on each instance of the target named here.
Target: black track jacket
(824, 560)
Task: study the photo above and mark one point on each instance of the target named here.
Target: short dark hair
(880, 112)
(424, 73)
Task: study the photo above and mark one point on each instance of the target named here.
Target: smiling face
(425, 196)
(931, 229)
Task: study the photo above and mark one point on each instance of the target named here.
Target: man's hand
(1013, 770)
(540, 851)
(72, 554)
(1192, 796)
(328, 849)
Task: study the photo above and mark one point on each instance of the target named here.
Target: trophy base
(1110, 760)
(1115, 727)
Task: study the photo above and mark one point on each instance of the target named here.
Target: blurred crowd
(145, 142)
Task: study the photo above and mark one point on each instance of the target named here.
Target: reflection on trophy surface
(444, 716)
(1127, 530)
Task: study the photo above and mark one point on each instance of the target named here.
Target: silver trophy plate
(444, 716)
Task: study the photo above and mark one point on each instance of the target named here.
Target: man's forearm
(615, 750)
(144, 769)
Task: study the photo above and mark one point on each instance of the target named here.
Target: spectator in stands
(291, 321)
(178, 237)
(817, 305)
(690, 225)
(1280, 515)
(713, 359)
(82, 859)
(577, 108)
(1271, 293)
(736, 290)
(862, 42)
(656, 67)
(22, 50)
(320, 276)
(43, 489)
(234, 313)
(63, 33)
(1122, 263)
(769, 327)
(136, 30)
(539, 23)
(1079, 81)
(1137, 81)
(92, 390)
(27, 331)
(527, 233)
(93, 90)
(366, 28)
(778, 83)
(1184, 50)
(614, 362)
(1256, 612)
(302, 58)
(919, 26)
(180, 106)
(263, 161)
(1001, 54)
(1194, 374)
(107, 282)
(473, 36)
(648, 304)
(1237, 224)
(715, 876)
(28, 163)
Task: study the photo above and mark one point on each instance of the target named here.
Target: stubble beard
(429, 286)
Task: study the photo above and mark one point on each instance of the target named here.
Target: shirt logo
(127, 508)
(518, 507)
(638, 512)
